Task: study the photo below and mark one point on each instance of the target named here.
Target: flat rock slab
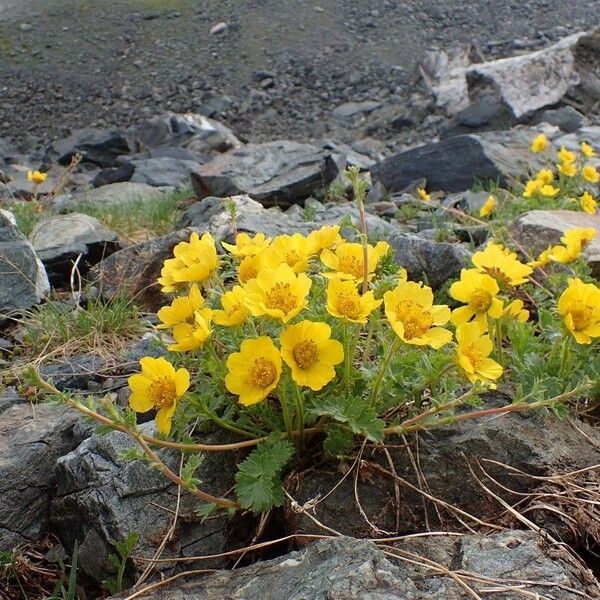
(59, 241)
(163, 171)
(32, 438)
(456, 163)
(347, 568)
(281, 172)
(101, 499)
(114, 194)
(537, 229)
(23, 279)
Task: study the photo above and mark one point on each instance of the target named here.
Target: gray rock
(468, 201)
(101, 499)
(59, 240)
(23, 279)
(114, 194)
(536, 443)
(76, 372)
(573, 140)
(32, 438)
(351, 109)
(281, 172)
(163, 172)
(566, 117)
(454, 164)
(537, 229)
(344, 568)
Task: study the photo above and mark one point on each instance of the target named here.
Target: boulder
(60, 240)
(274, 173)
(23, 279)
(454, 164)
(32, 438)
(536, 444)
(163, 171)
(114, 194)
(352, 109)
(537, 229)
(566, 118)
(101, 499)
(340, 568)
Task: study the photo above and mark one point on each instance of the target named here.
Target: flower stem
(347, 358)
(299, 416)
(565, 355)
(382, 370)
(285, 411)
(499, 336)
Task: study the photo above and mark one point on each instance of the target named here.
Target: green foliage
(70, 592)
(119, 561)
(338, 441)
(258, 481)
(192, 464)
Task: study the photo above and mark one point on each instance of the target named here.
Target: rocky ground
(142, 142)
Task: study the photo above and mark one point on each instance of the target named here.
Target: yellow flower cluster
(573, 243)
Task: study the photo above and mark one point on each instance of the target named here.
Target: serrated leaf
(338, 441)
(258, 481)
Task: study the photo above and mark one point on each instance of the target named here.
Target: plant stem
(499, 336)
(564, 355)
(284, 410)
(383, 368)
(225, 424)
(299, 416)
(347, 358)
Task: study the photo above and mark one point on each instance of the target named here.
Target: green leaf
(258, 481)
(353, 411)
(338, 441)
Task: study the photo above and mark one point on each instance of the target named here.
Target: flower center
(263, 373)
(351, 265)
(292, 257)
(473, 354)
(480, 301)
(162, 392)
(280, 297)
(306, 354)
(581, 315)
(348, 305)
(416, 319)
(502, 278)
(247, 272)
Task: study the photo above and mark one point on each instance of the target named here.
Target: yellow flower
(278, 293)
(325, 237)
(588, 203)
(566, 156)
(539, 143)
(199, 259)
(478, 291)
(347, 261)
(532, 186)
(423, 195)
(167, 279)
(289, 249)
(181, 310)
(250, 267)
(543, 259)
(413, 316)
(515, 311)
(254, 371)
(158, 386)
(545, 176)
(568, 169)
(549, 191)
(246, 245)
(579, 306)
(472, 354)
(191, 336)
(234, 310)
(488, 207)
(590, 174)
(344, 301)
(574, 240)
(587, 150)
(501, 264)
(36, 177)
(310, 353)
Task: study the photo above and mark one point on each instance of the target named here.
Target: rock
(566, 117)
(281, 172)
(340, 568)
(454, 164)
(537, 444)
(97, 146)
(84, 372)
(101, 499)
(163, 172)
(351, 109)
(23, 279)
(59, 240)
(114, 194)
(32, 438)
(218, 28)
(134, 270)
(537, 229)
(436, 262)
